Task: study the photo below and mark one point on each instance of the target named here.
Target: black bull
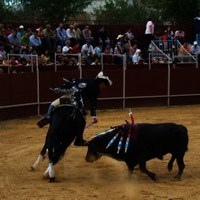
(147, 141)
(67, 122)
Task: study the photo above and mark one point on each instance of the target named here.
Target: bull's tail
(184, 130)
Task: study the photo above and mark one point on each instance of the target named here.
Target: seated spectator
(87, 35)
(2, 28)
(170, 33)
(20, 32)
(45, 59)
(35, 42)
(77, 33)
(180, 36)
(3, 66)
(108, 49)
(1, 69)
(4, 42)
(195, 48)
(102, 36)
(60, 35)
(13, 63)
(185, 49)
(25, 59)
(71, 34)
(49, 39)
(75, 48)
(59, 56)
(87, 52)
(67, 49)
(136, 56)
(130, 37)
(108, 54)
(14, 41)
(97, 53)
(40, 33)
(25, 43)
(118, 53)
(2, 52)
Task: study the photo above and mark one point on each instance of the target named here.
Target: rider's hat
(105, 79)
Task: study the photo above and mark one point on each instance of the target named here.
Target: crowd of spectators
(64, 41)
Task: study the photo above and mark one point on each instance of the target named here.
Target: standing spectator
(149, 33)
(60, 35)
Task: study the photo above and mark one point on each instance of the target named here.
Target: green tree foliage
(137, 11)
(176, 12)
(49, 10)
(5, 11)
(120, 12)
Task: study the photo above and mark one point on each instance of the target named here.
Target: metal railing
(30, 58)
(169, 50)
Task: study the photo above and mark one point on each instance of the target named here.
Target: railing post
(79, 65)
(55, 60)
(38, 86)
(168, 84)
(124, 80)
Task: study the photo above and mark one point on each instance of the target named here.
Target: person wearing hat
(90, 90)
(20, 33)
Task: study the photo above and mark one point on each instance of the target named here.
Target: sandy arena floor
(21, 141)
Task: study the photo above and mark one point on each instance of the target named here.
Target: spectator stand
(161, 51)
(76, 58)
(22, 62)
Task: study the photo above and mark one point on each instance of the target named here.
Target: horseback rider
(89, 89)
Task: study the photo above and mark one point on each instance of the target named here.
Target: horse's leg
(46, 173)
(51, 172)
(40, 157)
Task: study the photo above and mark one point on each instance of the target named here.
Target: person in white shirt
(87, 51)
(149, 32)
(66, 49)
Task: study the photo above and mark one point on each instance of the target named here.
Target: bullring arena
(21, 141)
